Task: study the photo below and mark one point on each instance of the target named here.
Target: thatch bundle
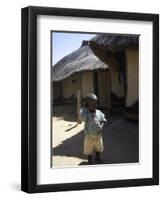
(82, 59)
(107, 45)
(115, 41)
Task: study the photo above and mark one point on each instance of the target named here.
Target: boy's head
(91, 102)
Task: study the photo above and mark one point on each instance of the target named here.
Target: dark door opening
(118, 83)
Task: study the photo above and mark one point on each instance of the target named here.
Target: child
(94, 121)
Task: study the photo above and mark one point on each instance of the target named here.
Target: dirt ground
(121, 139)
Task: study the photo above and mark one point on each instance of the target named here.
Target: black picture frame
(29, 98)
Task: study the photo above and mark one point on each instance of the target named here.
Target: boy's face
(92, 105)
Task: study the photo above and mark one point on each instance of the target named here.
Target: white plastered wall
(87, 83)
(132, 76)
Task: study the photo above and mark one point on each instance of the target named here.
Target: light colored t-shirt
(93, 121)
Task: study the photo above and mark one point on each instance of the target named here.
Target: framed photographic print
(90, 99)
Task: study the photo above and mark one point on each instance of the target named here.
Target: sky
(65, 43)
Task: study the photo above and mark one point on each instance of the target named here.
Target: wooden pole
(109, 95)
(78, 106)
(109, 90)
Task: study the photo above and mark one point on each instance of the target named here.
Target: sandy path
(121, 140)
(63, 130)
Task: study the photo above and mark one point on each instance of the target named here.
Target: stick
(78, 106)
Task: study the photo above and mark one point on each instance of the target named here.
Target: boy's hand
(85, 104)
(90, 104)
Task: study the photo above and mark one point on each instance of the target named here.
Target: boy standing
(94, 121)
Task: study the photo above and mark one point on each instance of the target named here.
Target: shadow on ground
(67, 113)
(72, 147)
(121, 143)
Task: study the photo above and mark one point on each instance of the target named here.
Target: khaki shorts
(91, 143)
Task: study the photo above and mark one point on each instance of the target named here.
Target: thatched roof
(115, 41)
(82, 59)
(109, 46)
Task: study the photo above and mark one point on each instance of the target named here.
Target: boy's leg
(97, 158)
(88, 148)
(99, 148)
(90, 159)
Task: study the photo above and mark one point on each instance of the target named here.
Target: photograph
(90, 99)
(94, 99)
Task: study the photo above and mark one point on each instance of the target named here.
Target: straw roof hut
(81, 70)
(107, 45)
(82, 59)
(121, 53)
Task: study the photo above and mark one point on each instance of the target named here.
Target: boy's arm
(103, 119)
(83, 113)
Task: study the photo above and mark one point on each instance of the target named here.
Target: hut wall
(87, 83)
(57, 90)
(70, 86)
(132, 76)
(117, 87)
(104, 87)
